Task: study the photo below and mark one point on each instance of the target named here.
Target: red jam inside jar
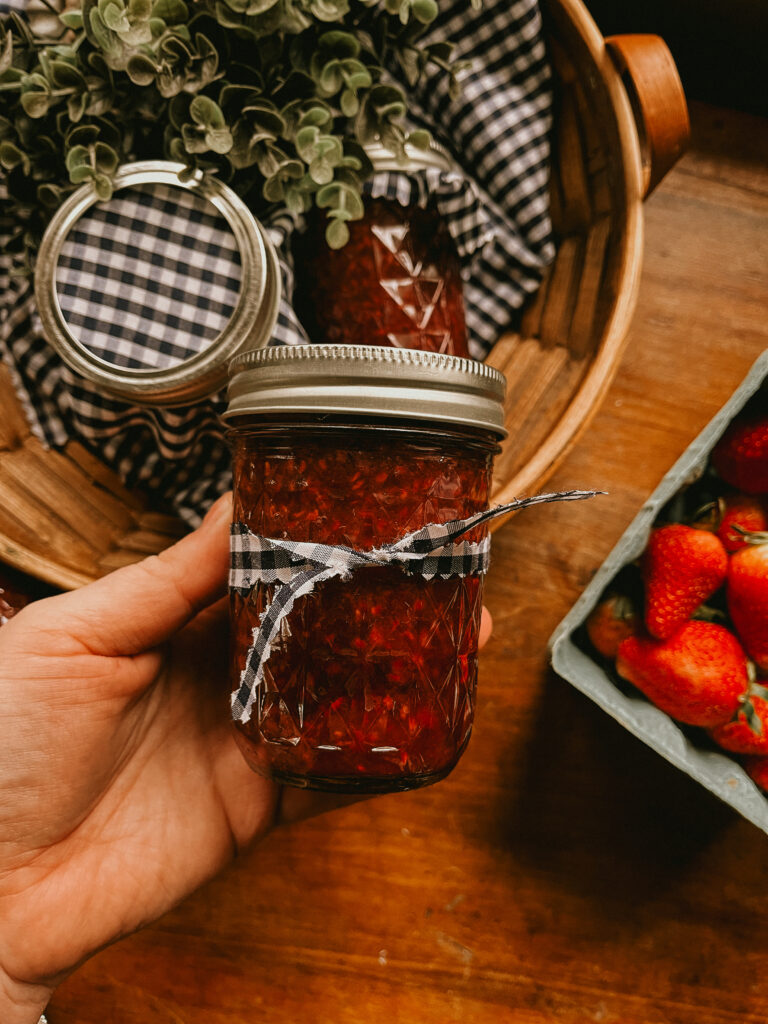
(396, 282)
(371, 685)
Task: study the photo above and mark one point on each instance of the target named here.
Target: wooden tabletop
(564, 872)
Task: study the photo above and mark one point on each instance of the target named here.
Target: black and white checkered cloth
(295, 568)
(149, 278)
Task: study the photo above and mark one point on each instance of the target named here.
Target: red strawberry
(698, 676)
(11, 600)
(612, 621)
(748, 596)
(757, 769)
(682, 567)
(741, 455)
(741, 510)
(748, 732)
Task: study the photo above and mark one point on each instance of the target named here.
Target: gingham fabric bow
(295, 567)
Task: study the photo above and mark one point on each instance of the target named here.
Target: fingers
(140, 606)
(486, 628)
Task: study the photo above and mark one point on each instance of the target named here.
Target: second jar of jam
(370, 684)
(397, 281)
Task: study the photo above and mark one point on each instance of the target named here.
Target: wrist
(21, 1002)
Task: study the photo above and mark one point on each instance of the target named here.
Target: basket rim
(588, 397)
(589, 394)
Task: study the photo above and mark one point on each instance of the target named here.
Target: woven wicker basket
(67, 519)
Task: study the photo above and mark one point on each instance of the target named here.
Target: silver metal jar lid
(249, 326)
(367, 382)
(384, 159)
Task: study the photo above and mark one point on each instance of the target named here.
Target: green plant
(277, 97)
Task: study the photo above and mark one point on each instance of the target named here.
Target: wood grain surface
(564, 872)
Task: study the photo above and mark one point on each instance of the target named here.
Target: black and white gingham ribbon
(296, 567)
(497, 129)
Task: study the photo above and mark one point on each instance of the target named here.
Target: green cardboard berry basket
(721, 773)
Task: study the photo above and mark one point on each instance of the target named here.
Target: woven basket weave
(67, 519)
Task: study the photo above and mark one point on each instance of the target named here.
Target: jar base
(351, 785)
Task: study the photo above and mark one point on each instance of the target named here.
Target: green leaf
(317, 116)
(337, 234)
(321, 170)
(172, 12)
(6, 57)
(141, 69)
(349, 103)
(50, 195)
(103, 185)
(72, 19)
(194, 141)
(115, 17)
(307, 142)
(65, 76)
(80, 174)
(105, 158)
(76, 106)
(11, 156)
(177, 151)
(36, 104)
(219, 140)
(340, 44)
(83, 136)
(206, 112)
(78, 156)
(140, 10)
(328, 10)
(420, 139)
(424, 11)
(344, 200)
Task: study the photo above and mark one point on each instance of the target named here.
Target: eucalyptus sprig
(277, 97)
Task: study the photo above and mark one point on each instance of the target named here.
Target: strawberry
(747, 593)
(741, 454)
(12, 600)
(682, 567)
(613, 620)
(744, 511)
(757, 769)
(747, 733)
(698, 676)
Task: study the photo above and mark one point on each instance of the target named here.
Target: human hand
(121, 786)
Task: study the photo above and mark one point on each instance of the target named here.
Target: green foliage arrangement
(277, 97)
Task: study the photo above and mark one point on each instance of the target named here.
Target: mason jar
(397, 281)
(370, 683)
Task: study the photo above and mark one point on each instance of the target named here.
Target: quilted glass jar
(370, 685)
(397, 281)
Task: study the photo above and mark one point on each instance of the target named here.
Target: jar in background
(396, 282)
(370, 687)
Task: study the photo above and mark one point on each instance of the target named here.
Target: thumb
(139, 606)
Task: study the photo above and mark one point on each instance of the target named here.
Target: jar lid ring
(251, 321)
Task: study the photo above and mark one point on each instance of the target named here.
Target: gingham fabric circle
(149, 279)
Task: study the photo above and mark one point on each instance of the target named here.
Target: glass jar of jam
(396, 282)
(370, 683)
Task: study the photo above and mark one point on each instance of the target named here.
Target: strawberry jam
(370, 682)
(371, 685)
(396, 282)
